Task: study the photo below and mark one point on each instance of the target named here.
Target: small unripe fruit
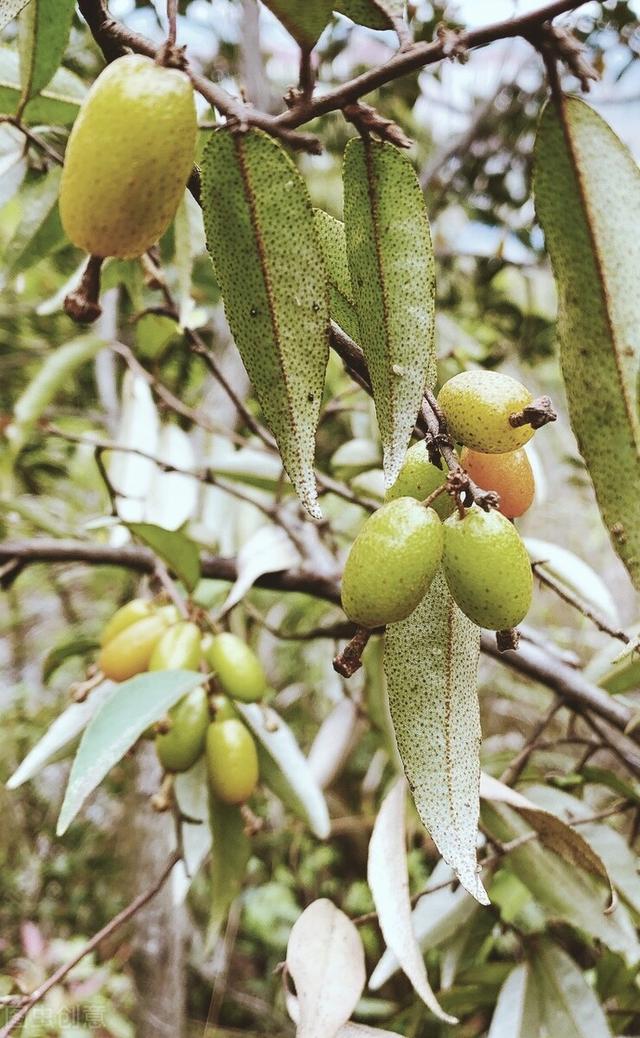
(178, 648)
(136, 609)
(232, 761)
(129, 157)
(169, 613)
(477, 406)
(130, 651)
(223, 709)
(510, 475)
(418, 478)
(487, 568)
(392, 562)
(237, 668)
(180, 747)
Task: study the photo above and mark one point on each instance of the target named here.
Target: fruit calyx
(536, 414)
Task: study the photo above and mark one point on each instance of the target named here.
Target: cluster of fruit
(421, 526)
(140, 637)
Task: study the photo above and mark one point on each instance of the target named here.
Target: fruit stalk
(349, 660)
(82, 305)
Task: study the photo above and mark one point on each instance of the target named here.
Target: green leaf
(376, 14)
(44, 33)
(9, 9)
(230, 853)
(568, 1004)
(57, 371)
(57, 104)
(260, 233)
(333, 243)
(192, 797)
(133, 706)
(617, 671)
(40, 230)
(305, 21)
(431, 664)
(284, 768)
(587, 191)
(392, 272)
(517, 1013)
(74, 646)
(180, 554)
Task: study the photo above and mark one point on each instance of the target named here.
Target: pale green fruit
(179, 648)
(130, 613)
(477, 406)
(130, 651)
(418, 478)
(487, 568)
(129, 157)
(179, 748)
(232, 761)
(236, 667)
(392, 562)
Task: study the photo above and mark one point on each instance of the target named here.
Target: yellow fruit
(129, 157)
(232, 761)
(237, 667)
(136, 609)
(418, 478)
(177, 649)
(477, 406)
(179, 748)
(487, 568)
(392, 562)
(130, 651)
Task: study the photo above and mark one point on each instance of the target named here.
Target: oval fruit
(223, 709)
(392, 562)
(129, 157)
(418, 478)
(179, 748)
(510, 475)
(487, 568)
(232, 761)
(130, 651)
(237, 667)
(136, 609)
(477, 406)
(178, 648)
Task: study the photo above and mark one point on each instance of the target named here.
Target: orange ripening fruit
(510, 475)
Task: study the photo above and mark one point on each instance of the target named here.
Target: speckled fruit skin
(130, 651)
(487, 568)
(136, 609)
(477, 406)
(510, 475)
(232, 761)
(179, 748)
(129, 157)
(179, 648)
(237, 668)
(418, 478)
(392, 562)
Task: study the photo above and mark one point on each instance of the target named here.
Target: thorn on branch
(349, 660)
(367, 120)
(83, 305)
(538, 413)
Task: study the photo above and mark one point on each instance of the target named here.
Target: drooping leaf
(130, 474)
(56, 372)
(392, 273)
(284, 768)
(192, 797)
(269, 550)
(617, 671)
(40, 230)
(587, 192)
(334, 738)
(577, 576)
(388, 878)
(569, 1006)
(180, 554)
(13, 162)
(348, 1030)
(121, 719)
(76, 645)
(9, 9)
(261, 237)
(60, 734)
(305, 21)
(173, 496)
(333, 242)
(517, 1012)
(44, 33)
(325, 959)
(376, 14)
(431, 662)
(57, 104)
(231, 849)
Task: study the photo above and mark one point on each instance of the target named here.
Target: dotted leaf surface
(587, 192)
(431, 663)
(9, 9)
(392, 272)
(333, 242)
(260, 233)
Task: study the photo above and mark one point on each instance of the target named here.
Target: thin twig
(567, 596)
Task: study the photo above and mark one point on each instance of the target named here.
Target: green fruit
(181, 746)
(223, 709)
(136, 609)
(178, 648)
(237, 668)
(418, 478)
(232, 761)
(130, 651)
(477, 406)
(129, 157)
(487, 568)
(392, 562)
